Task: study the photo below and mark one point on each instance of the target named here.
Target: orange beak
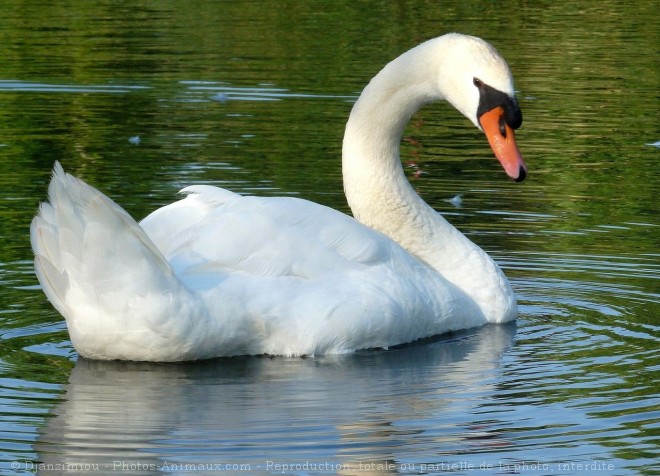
(503, 142)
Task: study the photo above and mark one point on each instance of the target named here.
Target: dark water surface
(143, 98)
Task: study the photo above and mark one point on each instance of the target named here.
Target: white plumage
(219, 274)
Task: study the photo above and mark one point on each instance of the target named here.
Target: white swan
(219, 274)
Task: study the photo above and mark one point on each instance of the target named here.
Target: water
(144, 99)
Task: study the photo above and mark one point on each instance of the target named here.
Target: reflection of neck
(375, 185)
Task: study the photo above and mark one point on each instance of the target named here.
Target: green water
(253, 96)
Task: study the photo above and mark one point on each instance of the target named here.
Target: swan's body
(219, 274)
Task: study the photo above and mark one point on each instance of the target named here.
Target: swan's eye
(477, 82)
(502, 123)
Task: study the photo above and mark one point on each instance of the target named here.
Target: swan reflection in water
(375, 411)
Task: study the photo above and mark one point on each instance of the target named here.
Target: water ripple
(26, 86)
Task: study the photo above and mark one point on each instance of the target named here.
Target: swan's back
(316, 280)
(274, 236)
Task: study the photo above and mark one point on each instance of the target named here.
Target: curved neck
(381, 197)
(375, 185)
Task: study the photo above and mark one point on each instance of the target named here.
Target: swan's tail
(101, 271)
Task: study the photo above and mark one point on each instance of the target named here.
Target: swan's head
(476, 80)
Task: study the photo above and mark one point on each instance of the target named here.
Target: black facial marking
(490, 98)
